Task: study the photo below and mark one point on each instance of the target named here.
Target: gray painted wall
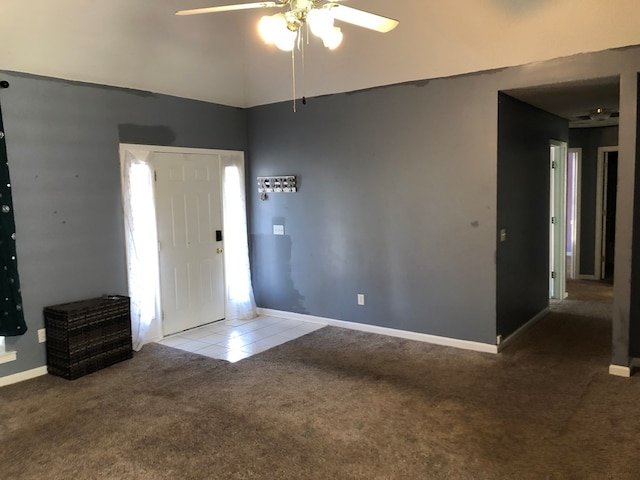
(398, 200)
(62, 142)
(398, 194)
(522, 268)
(589, 139)
(394, 202)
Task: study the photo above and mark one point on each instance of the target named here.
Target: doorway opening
(574, 171)
(180, 205)
(607, 182)
(571, 251)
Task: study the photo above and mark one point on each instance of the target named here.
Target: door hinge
(162, 314)
(553, 274)
(554, 164)
(553, 220)
(155, 176)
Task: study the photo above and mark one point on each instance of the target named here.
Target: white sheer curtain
(142, 243)
(240, 301)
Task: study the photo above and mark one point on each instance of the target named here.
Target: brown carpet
(337, 404)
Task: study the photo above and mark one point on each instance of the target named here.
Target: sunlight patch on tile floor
(234, 340)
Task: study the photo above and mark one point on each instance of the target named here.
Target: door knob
(218, 251)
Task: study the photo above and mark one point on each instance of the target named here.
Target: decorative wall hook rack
(276, 184)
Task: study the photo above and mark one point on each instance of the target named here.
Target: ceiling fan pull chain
(304, 78)
(293, 74)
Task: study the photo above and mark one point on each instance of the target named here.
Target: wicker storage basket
(85, 336)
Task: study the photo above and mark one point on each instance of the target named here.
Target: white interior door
(189, 214)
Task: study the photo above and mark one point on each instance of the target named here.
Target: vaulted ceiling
(220, 58)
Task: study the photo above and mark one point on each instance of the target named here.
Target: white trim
(597, 255)
(620, 371)
(293, 316)
(507, 341)
(578, 194)
(578, 212)
(392, 332)
(558, 231)
(163, 149)
(22, 376)
(6, 357)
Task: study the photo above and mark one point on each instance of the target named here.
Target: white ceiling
(219, 58)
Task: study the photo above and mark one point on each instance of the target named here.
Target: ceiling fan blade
(362, 18)
(227, 8)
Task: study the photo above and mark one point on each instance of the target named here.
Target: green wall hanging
(11, 313)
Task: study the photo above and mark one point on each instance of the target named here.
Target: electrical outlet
(361, 299)
(278, 229)
(42, 335)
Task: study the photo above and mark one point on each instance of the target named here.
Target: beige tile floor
(234, 340)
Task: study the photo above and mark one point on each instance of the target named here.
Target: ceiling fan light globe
(266, 29)
(320, 21)
(333, 38)
(286, 39)
(271, 28)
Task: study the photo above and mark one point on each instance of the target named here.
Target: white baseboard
(22, 376)
(620, 371)
(293, 316)
(523, 328)
(392, 332)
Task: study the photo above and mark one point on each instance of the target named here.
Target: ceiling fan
(282, 29)
(598, 114)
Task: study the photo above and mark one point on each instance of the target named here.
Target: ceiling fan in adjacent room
(596, 117)
(284, 29)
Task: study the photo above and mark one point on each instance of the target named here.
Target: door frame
(577, 208)
(600, 198)
(155, 328)
(558, 211)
